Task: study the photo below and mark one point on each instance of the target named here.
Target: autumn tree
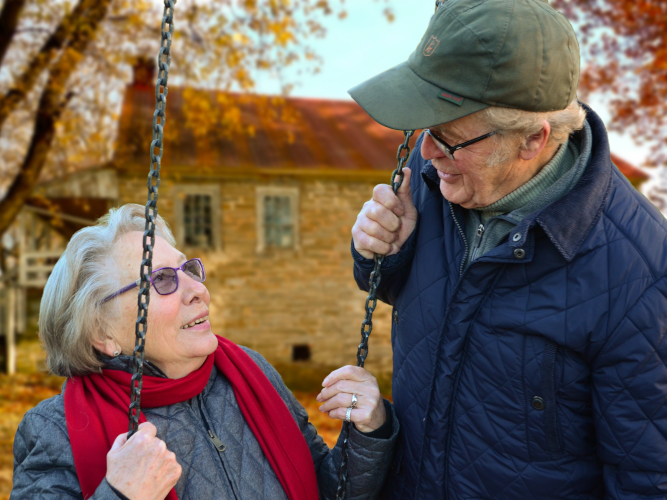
(63, 65)
(624, 52)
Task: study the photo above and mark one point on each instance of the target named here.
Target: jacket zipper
(457, 379)
(465, 241)
(478, 242)
(439, 346)
(217, 442)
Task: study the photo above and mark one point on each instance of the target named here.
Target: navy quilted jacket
(540, 377)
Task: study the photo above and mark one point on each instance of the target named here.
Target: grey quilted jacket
(44, 465)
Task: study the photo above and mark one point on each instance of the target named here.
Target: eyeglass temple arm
(477, 139)
(122, 291)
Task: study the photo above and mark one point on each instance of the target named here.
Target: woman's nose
(193, 291)
(429, 149)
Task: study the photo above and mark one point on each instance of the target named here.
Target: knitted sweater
(487, 227)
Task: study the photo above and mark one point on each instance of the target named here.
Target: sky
(365, 44)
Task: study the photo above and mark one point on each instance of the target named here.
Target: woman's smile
(199, 323)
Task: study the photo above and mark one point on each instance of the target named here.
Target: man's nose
(430, 150)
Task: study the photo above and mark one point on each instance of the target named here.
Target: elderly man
(528, 278)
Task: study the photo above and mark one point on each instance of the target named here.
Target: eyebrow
(181, 258)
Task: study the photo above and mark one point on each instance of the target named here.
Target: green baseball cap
(518, 54)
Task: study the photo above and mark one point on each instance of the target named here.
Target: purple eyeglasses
(165, 279)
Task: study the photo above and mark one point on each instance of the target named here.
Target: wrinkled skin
(142, 468)
(387, 220)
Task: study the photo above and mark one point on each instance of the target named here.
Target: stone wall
(274, 300)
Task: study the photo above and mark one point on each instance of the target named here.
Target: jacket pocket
(394, 326)
(551, 427)
(544, 437)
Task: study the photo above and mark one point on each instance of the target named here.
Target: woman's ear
(535, 143)
(107, 345)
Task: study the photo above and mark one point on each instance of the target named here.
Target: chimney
(144, 73)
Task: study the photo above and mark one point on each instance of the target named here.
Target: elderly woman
(219, 422)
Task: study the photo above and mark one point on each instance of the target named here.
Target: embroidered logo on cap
(448, 96)
(431, 46)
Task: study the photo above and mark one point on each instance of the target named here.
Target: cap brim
(401, 100)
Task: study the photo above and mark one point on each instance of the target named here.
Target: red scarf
(96, 412)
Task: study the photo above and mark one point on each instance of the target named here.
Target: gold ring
(354, 401)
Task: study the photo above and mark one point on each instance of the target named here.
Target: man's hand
(142, 468)
(386, 221)
(339, 386)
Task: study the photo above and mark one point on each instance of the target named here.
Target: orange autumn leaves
(624, 48)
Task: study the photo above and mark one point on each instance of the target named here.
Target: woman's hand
(339, 387)
(142, 468)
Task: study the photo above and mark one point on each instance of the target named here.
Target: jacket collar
(567, 221)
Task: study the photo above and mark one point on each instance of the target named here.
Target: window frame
(183, 190)
(290, 192)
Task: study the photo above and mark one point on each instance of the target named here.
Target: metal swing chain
(371, 304)
(159, 118)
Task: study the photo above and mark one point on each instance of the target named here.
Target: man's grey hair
(71, 315)
(514, 126)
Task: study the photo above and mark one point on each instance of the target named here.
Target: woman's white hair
(71, 315)
(514, 126)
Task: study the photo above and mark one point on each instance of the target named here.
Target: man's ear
(106, 345)
(535, 143)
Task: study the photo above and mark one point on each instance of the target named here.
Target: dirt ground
(31, 385)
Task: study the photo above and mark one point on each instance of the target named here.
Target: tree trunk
(51, 104)
(72, 22)
(9, 19)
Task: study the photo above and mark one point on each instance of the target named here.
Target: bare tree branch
(52, 102)
(9, 19)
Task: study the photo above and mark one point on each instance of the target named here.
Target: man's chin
(453, 194)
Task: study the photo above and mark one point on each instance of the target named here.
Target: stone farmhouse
(268, 210)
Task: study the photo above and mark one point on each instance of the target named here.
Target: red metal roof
(630, 171)
(289, 134)
(292, 133)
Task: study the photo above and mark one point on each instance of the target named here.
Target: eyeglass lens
(194, 269)
(166, 281)
(439, 142)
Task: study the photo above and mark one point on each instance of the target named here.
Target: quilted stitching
(476, 435)
(44, 466)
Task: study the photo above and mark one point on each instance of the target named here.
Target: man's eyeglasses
(450, 150)
(165, 279)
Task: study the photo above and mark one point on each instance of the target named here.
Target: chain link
(159, 118)
(371, 303)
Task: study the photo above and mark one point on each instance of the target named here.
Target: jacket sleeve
(629, 400)
(395, 268)
(44, 464)
(369, 458)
